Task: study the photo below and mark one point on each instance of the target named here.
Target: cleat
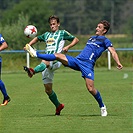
(5, 101)
(59, 108)
(104, 111)
(30, 71)
(30, 50)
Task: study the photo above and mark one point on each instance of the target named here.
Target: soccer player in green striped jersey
(54, 41)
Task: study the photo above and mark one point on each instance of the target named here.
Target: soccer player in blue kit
(3, 45)
(85, 61)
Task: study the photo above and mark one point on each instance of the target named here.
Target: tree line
(79, 17)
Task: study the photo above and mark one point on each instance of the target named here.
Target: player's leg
(5, 95)
(48, 57)
(47, 80)
(53, 98)
(55, 65)
(3, 89)
(51, 57)
(97, 95)
(39, 68)
(87, 70)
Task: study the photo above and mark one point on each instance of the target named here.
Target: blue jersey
(1, 39)
(94, 48)
(85, 61)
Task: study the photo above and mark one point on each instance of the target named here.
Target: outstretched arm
(33, 41)
(115, 57)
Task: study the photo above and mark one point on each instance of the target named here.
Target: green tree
(14, 33)
(77, 16)
(37, 10)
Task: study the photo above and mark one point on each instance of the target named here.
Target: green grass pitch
(30, 110)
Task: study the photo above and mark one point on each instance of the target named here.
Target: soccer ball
(30, 31)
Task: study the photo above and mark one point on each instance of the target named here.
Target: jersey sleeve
(1, 39)
(108, 43)
(68, 36)
(42, 37)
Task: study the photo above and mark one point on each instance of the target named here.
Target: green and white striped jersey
(55, 40)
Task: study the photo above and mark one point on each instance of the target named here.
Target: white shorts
(48, 73)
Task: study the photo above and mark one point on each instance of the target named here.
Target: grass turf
(30, 110)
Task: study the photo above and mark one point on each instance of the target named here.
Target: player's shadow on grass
(42, 115)
(81, 115)
(86, 115)
(64, 115)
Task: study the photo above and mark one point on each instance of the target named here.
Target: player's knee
(92, 90)
(57, 55)
(48, 91)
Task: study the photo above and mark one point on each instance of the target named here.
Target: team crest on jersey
(50, 41)
(92, 39)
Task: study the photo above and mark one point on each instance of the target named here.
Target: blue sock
(99, 99)
(48, 57)
(3, 89)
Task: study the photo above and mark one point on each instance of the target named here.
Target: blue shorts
(86, 68)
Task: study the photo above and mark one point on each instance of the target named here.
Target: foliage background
(79, 17)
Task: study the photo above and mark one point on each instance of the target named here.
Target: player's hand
(65, 49)
(24, 47)
(119, 66)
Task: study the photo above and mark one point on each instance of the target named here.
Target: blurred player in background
(55, 41)
(3, 45)
(85, 61)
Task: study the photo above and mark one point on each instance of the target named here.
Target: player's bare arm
(115, 57)
(33, 41)
(73, 43)
(3, 46)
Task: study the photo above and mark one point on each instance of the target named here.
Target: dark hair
(106, 25)
(54, 17)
